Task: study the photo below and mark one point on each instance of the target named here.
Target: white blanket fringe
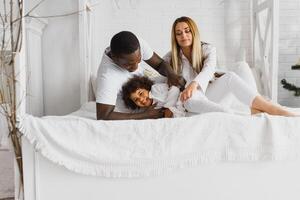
(140, 148)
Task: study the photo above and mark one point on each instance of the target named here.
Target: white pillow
(257, 75)
(93, 84)
(243, 70)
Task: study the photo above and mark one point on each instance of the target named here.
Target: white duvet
(138, 148)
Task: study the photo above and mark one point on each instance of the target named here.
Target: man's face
(129, 61)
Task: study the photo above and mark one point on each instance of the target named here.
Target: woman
(195, 61)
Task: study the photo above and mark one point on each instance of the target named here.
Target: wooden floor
(6, 175)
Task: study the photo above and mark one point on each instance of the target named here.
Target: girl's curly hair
(134, 83)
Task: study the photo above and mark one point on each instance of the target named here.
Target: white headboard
(264, 37)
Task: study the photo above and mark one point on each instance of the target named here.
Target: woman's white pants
(218, 90)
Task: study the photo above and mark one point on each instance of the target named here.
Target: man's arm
(160, 65)
(105, 112)
(166, 70)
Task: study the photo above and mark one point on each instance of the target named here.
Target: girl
(141, 92)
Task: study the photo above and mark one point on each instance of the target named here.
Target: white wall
(225, 24)
(289, 49)
(60, 57)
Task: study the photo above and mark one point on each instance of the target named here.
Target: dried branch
(54, 16)
(34, 7)
(2, 19)
(18, 44)
(87, 8)
(11, 43)
(5, 12)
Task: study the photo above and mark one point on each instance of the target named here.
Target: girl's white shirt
(167, 97)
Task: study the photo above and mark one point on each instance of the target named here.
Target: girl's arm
(172, 97)
(168, 98)
(173, 104)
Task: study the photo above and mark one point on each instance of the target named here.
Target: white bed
(264, 173)
(234, 179)
(255, 180)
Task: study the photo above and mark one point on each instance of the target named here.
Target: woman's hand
(188, 91)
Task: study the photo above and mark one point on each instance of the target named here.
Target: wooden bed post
(275, 40)
(30, 60)
(84, 50)
(20, 84)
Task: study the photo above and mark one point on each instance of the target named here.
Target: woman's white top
(168, 98)
(199, 103)
(208, 69)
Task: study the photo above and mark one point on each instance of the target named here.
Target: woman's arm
(208, 69)
(207, 73)
(106, 112)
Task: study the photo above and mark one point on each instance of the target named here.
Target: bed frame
(45, 180)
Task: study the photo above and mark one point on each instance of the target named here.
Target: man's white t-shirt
(111, 77)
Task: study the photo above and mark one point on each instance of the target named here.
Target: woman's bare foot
(278, 110)
(260, 104)
(255, 111)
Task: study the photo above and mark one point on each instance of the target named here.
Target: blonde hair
(197, 57)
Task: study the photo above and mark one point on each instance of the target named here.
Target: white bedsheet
(134, 148)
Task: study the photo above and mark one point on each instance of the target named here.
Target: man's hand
(165, 69)
(105, 112)
(177, 81)
(153, 113)
(168, 113)
(188, 91)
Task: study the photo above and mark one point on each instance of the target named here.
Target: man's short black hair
(136, 82)
(124, 42)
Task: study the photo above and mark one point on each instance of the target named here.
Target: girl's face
(141, 98)
(183, 34)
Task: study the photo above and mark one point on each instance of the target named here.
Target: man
(120, 62)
